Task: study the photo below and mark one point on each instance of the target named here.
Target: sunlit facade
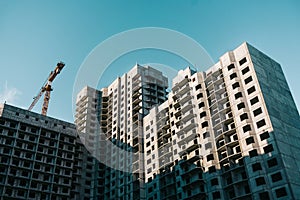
(231, 132)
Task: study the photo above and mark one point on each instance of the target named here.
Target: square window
(240, 106)
(244, 60)
(244, 116)
(238, 95)
(203, 114)
(206, 135)
(272, 162)
(264, 136)
(249, 140)
(247, 128)
(260, 181)
(251, 90)
(204, 124)
(253, 153)
(256, 167)
(201, 105)
(214, 182)
(268, 148)
(230, 67)
(212, 169)
(232, 76)
(209, 157)
(216, 195)
(261, 123)
(235, 85)
(207, 146)
(198, 86)
(276, 177)
(200, 95)
(264, 196)
(257, 112)
(244, 71)
(254, 100)
(281, 192)
(248, 80)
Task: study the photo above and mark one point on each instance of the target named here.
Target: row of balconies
(180, 84)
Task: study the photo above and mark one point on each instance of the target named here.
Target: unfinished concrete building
(41, 158)
(231, 132)
(118, 111)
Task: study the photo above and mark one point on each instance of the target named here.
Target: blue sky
(35, 35)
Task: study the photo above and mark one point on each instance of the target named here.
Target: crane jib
(47, 88)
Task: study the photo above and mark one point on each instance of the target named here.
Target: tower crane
(47, 89)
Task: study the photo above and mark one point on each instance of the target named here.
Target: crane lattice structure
(46, 88)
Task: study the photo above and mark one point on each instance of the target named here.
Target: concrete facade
(41, 157)
(122, 106)
(231, 132)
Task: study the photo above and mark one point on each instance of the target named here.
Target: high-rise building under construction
(230, 132)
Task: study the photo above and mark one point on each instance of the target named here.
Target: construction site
(42, 157)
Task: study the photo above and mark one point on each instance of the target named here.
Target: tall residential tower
(119, 114)
(231, 132)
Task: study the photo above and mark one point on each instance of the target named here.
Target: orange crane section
(47, 89)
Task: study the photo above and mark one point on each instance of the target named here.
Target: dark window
(238, 95)
(203, 114)
(232, 76)
(272, 162)
(261, 123)
(247, 189)
(235, 85)
(201, 105)
(260, 181)
(240, 106)
(198, 86)
(244, 71)
(244, 116)
(206, 135)
(257, 112)
(244, 175)
(246, 128)
(248, 80)
(204, 124)
(251, 90)
(253, 153)
(264, 136)
(264, 196)
(31, 195)
(254, 100)
(249, 140)
(229, 180)
(212, 169)
(256, 167)
(243, 61)
(209, 157)
(230, 67)
(281, 192)
(200, 95)
(216, 195)
(214, 182)
(268, 148)
(276, 177)
(241, 162)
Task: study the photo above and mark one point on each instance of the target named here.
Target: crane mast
(46, 88)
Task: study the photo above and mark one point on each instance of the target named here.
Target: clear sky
(35, 35)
